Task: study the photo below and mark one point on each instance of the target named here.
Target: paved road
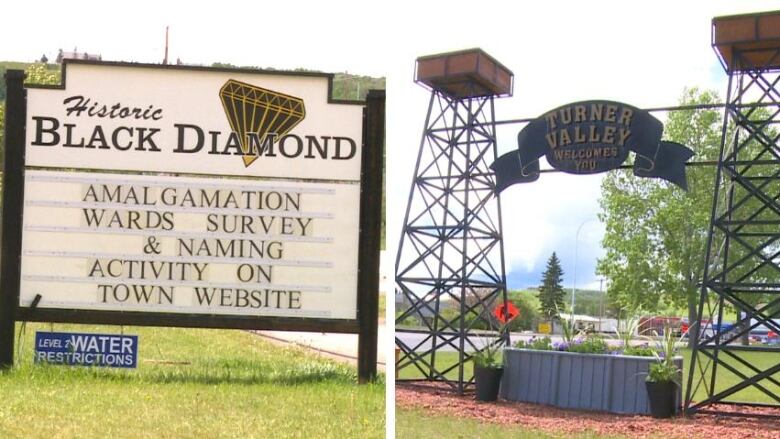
(341, 347)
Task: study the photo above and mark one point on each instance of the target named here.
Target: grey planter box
(611, 383)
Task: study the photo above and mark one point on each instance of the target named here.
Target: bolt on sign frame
(181, 109)
(742, 260)
(451, 249)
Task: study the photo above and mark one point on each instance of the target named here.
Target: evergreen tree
(551, 292)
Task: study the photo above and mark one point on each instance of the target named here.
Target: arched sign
(590, 137)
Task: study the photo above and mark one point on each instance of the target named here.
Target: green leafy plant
(661, 372)
(589, 345)
(627, 335)
(539, 344)
(664, 370)
(568, 328)
(640, 351)
(491, 354)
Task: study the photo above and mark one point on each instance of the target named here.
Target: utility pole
(601, 301)
(165, 60)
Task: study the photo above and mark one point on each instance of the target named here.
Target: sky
(640, 53)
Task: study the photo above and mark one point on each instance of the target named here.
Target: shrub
(639, 351)
(662, 373)
(589, 345)
(539, 344)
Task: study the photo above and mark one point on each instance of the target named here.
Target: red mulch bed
(439, 400)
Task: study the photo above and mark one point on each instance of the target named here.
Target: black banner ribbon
(591, 137)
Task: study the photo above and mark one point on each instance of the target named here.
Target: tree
(589, 302)
(41, 74)
(528, 305)
(655, 232)
(551, 292)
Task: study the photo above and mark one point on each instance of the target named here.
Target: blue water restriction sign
(80, 349)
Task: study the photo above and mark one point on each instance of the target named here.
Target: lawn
(189, 383)
(725, 378)
(444, 360)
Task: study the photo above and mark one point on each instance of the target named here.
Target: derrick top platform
(464, 74)
(748, 41)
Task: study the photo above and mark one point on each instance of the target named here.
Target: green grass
(411, 423)
(444, 361)
(235, 385)
(725, 378)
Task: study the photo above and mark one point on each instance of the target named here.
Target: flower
(505, 312)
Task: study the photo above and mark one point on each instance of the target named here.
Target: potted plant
(488, 369)
(488, 362)
(663, 379)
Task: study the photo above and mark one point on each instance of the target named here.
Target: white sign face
(281, 240)
(172, 244)
(190, 121)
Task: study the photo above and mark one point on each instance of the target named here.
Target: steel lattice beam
(742, 266)
(450, 262)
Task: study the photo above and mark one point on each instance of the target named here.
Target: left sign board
(85, 349)
(191, 191)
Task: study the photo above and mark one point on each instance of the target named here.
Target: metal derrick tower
(742, 260)
(450, 262)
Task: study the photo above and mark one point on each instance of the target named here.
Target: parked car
(762, 330)
(709, 327)
(651, 325)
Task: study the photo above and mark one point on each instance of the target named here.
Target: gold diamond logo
(255, 110)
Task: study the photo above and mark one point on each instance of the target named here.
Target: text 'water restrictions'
(190, 245)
